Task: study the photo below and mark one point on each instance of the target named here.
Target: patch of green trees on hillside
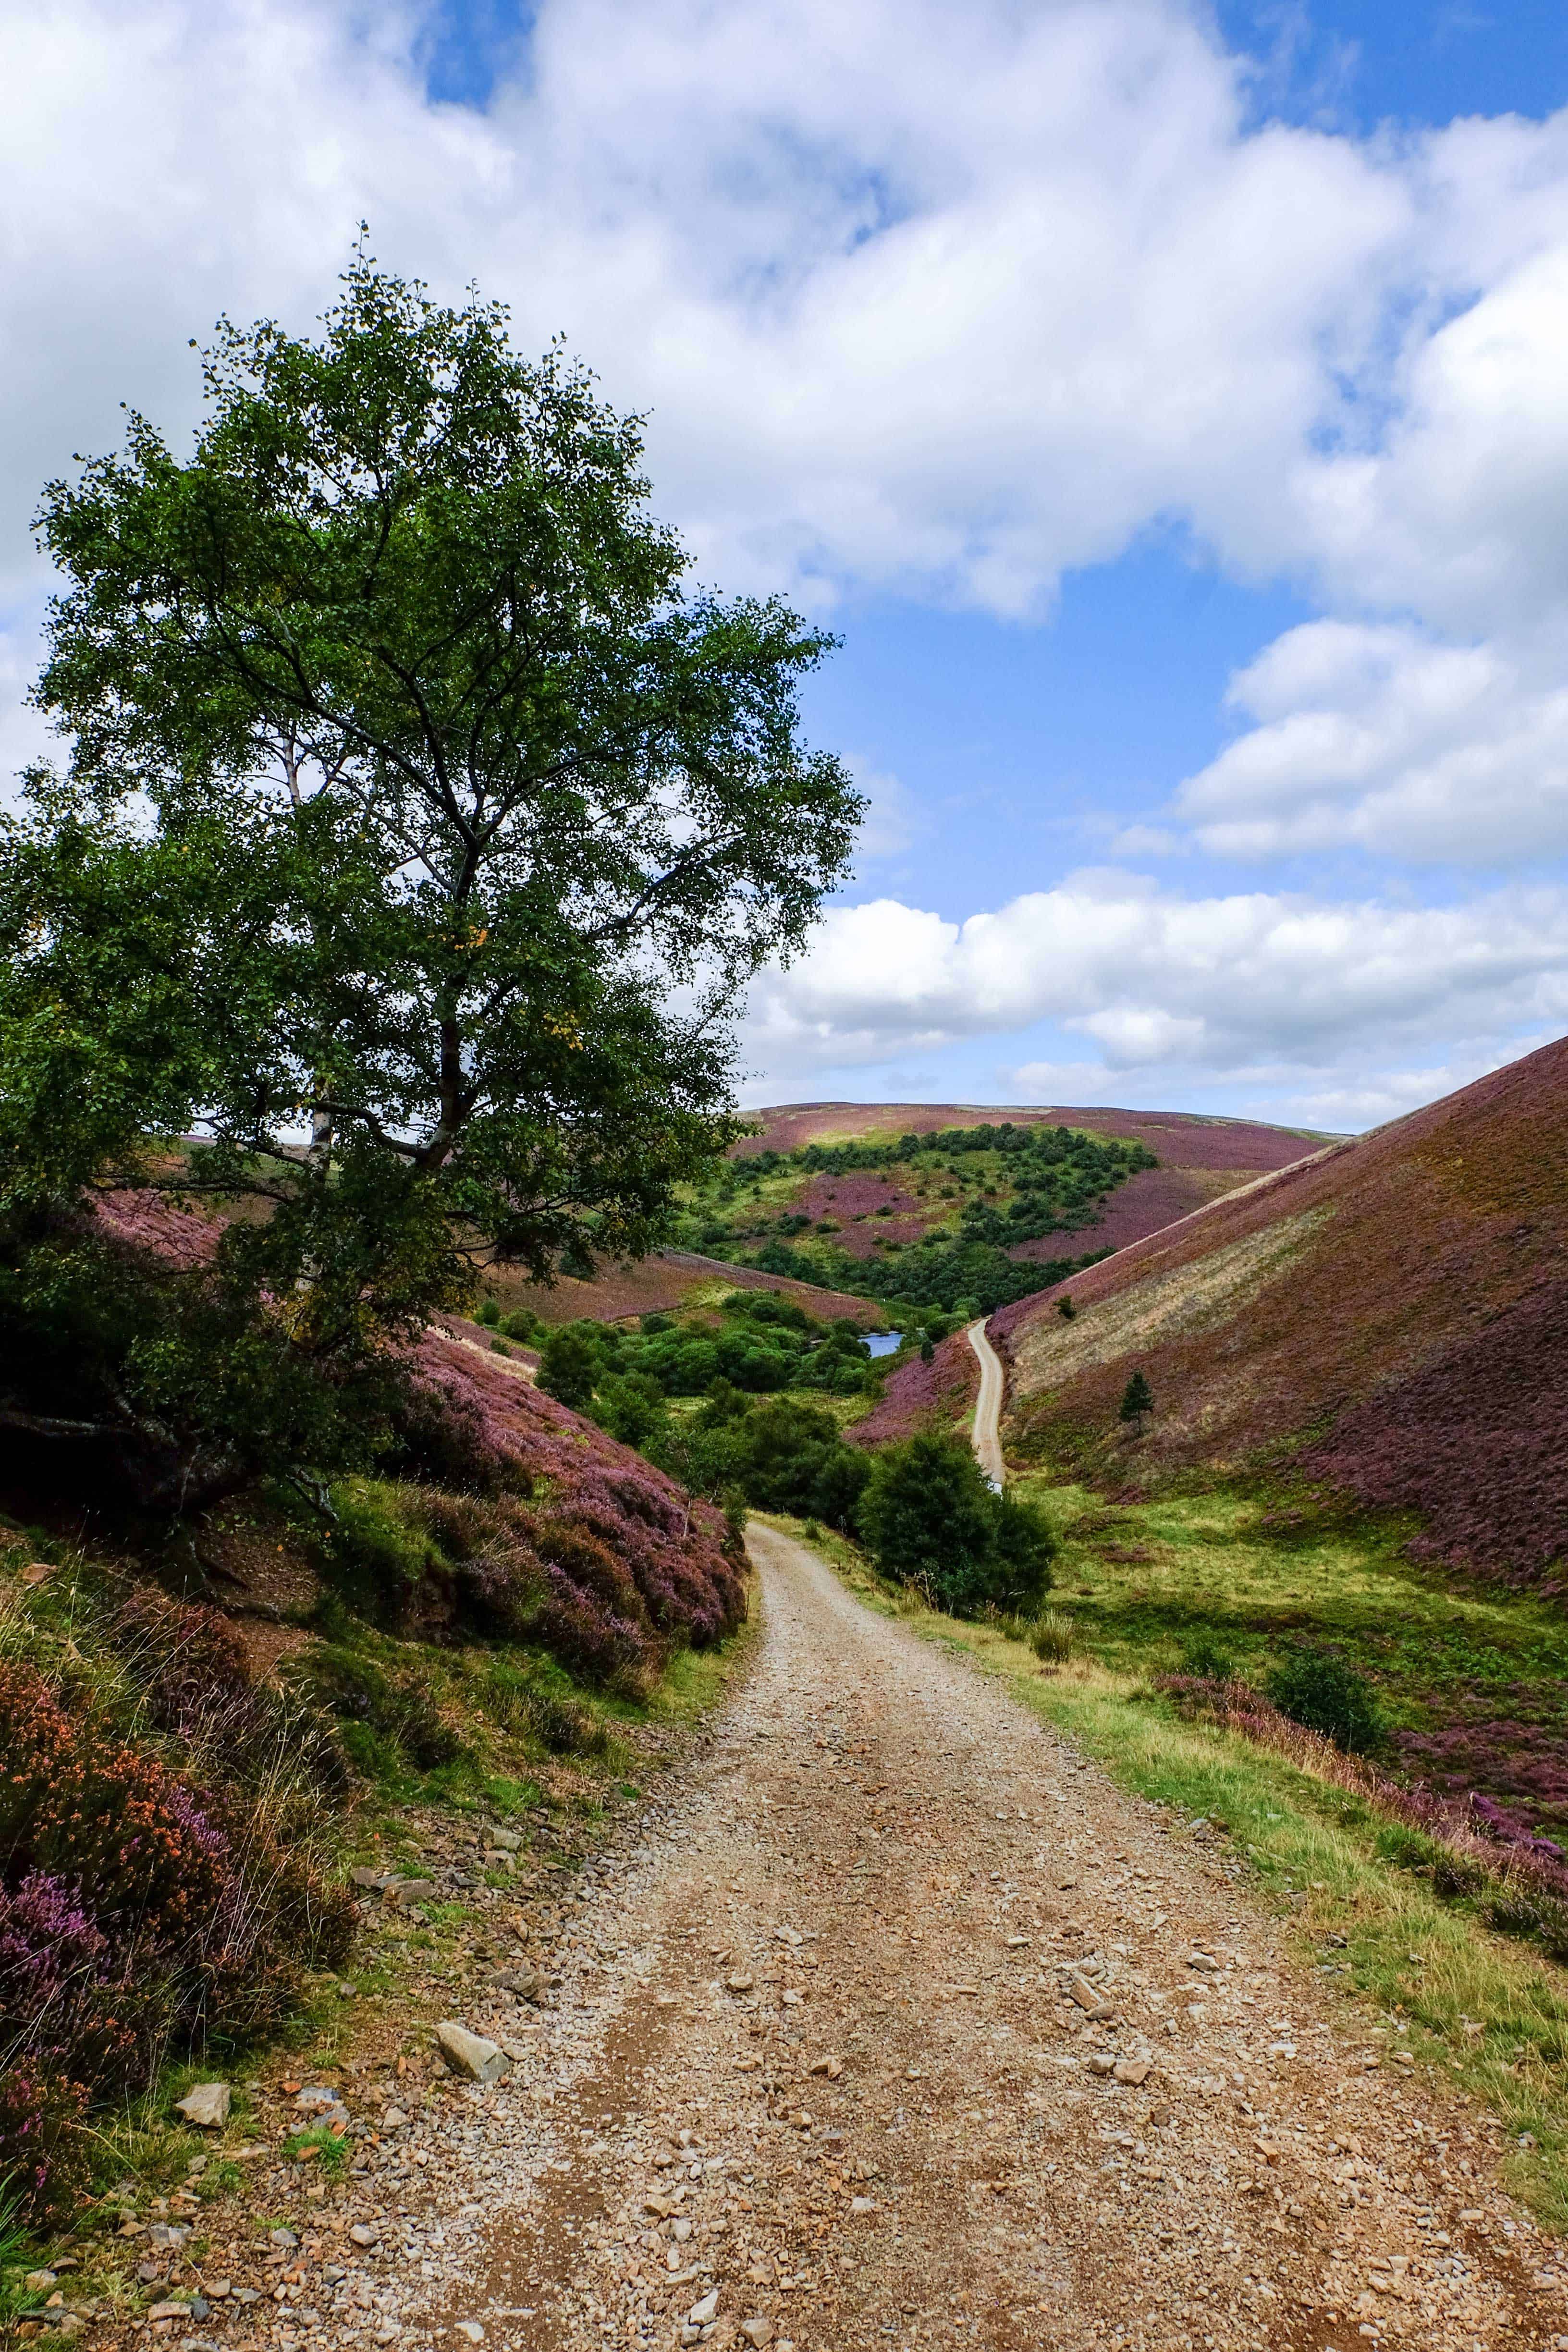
(1010, 1183)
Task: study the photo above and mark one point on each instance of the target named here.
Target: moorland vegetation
(935, 1218)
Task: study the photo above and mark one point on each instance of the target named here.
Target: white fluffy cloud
(1255, 987)
(1379, 737)
(948, 299)
(940, 300)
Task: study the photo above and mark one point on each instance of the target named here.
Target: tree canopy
(419, 828)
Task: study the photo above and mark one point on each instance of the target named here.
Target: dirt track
(886, 1866)
(987, 1433)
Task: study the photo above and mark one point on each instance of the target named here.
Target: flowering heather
(137, 1910)
(1153, 1198)
(921, 1396)
(43, 2155)
(1476, 1442)
(1399, 1297)
(1486, 1841)
(149, 1221)
(572, 1540)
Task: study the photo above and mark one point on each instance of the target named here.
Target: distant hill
(1389, 1315)
(665, 1283)
(1200, 1159)
(871, 1213)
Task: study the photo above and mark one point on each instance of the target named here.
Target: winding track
(988, 1438)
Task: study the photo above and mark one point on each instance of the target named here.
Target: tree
(1137, 1399)
(930, 1517)
(418, 831)
(570, 1366)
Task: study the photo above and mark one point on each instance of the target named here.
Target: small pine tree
(1066, 1309)
(928, 1348)
(1137, 1399)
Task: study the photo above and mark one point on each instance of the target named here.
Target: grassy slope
(1418, 1975)
(670, 1281)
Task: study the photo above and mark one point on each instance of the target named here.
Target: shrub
(930, 1517)
(43, 2150)
(1137, 1399)
(569, 1367)
(523, 1325)
(1066, 1309)
(488, 1315)
(140, 1913)
(632, 1408)
(792, 1458)
(1317, 1688)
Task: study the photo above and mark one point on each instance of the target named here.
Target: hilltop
(1386, 1317)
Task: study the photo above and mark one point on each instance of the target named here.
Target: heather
(558, 1536)
(1386, 1316)
(162, 1887)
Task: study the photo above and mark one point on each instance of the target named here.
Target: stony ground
(898, 2025)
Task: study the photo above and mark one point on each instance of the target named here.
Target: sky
(1163, 403)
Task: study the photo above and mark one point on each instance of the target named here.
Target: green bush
(1318, 1690)
(523, 1325)
(569, 1367)
(488, 1315)
(792, 1458)
(930, 1517)
(631, 1406)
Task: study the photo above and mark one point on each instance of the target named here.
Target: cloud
(1379, 737)
(1256, 987)
(937, 302)
(935, 299)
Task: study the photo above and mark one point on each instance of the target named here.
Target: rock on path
(902, 2026)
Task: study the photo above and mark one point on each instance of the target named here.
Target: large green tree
(419, 829)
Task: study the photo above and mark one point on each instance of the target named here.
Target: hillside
(954, 1207)
(1387, 1316)
(665, 1283)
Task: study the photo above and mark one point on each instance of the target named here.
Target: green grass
(1430, 1642)
(1488, 2015)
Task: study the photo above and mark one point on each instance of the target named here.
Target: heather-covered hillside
(1199, 1158)
(1388, 1317)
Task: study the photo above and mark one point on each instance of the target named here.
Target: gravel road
(986, 1438)
(898, 2025)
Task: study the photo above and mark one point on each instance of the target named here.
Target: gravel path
(898, 2025)
(986, 1439)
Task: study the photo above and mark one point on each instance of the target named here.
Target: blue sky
(1164, 402)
